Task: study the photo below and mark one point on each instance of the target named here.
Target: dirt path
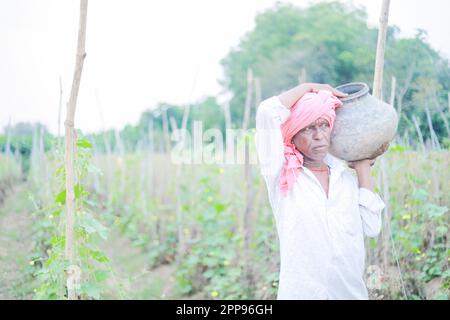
(133, 279)
(15, 244)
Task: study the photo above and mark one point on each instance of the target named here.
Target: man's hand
(315, 87)
(361, 164)
(290, 97)
(362, 168)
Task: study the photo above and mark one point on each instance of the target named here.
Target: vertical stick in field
(377, 91)
(69, 155)
(248, 227)
(257, 92)
(8, 139)
(302, 76)
(379, 60)
(248, 100)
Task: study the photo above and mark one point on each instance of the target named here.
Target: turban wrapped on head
(305, 111)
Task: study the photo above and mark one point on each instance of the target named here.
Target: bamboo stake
(386, 197)
(8, 139)
(248, 100)
(257, 91)
(226, 111)
(166, 134)
(419, 133)
(248, 228)
(377, 93)
(377, 85)
(393, 88)
(181, 248)
(447, 127)
(302, 76)
(73, 270)
(379, 60)
(433, 137)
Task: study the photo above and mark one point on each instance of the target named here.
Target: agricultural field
(186, 233)
(147, 186)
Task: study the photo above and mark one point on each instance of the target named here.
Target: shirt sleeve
(270, 115)
(370, 208)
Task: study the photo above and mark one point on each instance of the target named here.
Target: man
(322, 211)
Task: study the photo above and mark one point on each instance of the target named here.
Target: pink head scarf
(305, 111)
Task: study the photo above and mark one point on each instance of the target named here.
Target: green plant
(51, 264)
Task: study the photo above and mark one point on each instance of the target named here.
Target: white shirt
(322, 254)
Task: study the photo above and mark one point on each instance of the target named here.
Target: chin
(319, 155)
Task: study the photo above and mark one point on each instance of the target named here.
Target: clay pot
(364, 125)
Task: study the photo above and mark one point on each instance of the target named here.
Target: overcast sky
(140, 53)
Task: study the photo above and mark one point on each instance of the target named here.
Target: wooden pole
(419, 133)
(8, 138)
(248, 227)
(377, 93)
(70, 139)
(393, 89)
(166, 134)
(257, 91)
(248, 100)
(302, 76)
(379, 60)
(433, 137)
(227, 114)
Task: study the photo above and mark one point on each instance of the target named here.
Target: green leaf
(219, 207)
(61, 197)
(420, 195)
(78, 190)
(91, 290)
(100, 275)
(58, 241)
(441, 230)
(99, 256)
(91, 226)
(435, 211)
(84, 143)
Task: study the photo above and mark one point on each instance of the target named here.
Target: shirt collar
(336, 165)
(334, 162)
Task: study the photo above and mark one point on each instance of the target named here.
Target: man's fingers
(316, 87)
(338, 93)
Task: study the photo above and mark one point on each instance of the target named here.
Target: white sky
(140, 53)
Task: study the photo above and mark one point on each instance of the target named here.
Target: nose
(318, 134)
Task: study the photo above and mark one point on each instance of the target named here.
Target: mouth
(321, 148)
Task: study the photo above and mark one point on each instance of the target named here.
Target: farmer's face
(314, 140)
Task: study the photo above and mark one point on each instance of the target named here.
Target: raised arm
(290, 97)
(270, 115)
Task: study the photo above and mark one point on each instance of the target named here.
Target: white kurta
(322, 254)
